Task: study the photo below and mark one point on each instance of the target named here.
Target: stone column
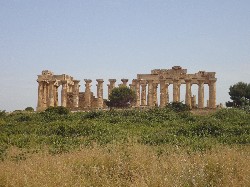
(132, 85)
(212, 93)
(47, 95)
(69, 88)
(137, 92)
(188, 92)
(201, 94)
(193, 101)
(87, 94)
(133, 88)
(99, 93)
(55, 95)
(64, 93)
(51, 93)
(124, 82)
(163, 93)
(155, 98)
(40, 96)
(76, 93)
(111, 86)
(178, 91)
(150, 93)
(45, 99)
(175, 90)
(143, 92)
(167, 94)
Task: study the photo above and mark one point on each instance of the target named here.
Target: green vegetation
(29, 109)
(121, 97)
(61, 131)
(153, 147)
(178, 106)
(240, 96)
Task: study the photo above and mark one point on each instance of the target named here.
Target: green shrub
(58, 110)
(121, 97)
(92, 114)
(23, 118)
(2, 113)
(178, 106)
(231, 114)
(29, 109)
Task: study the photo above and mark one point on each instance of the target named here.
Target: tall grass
(130, 165)
(156, 147)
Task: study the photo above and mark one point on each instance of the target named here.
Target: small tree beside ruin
(240, 95)
(121, 97)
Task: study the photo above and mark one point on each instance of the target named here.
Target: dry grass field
(129, 165)
(154, 148)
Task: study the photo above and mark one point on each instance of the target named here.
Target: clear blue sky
(115, 39)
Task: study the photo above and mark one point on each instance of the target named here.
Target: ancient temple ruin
(145, 87)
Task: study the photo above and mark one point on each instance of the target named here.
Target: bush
(58, 110)
(2, 113)
(29, 109)
(93, 114)
(178, 106)
(121, 97)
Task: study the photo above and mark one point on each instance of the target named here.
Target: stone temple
(145, 87)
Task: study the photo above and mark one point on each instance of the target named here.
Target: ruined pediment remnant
(145, 87)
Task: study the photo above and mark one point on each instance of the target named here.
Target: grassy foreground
(157, 147)
(130, 165)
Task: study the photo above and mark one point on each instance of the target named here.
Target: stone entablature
(145, 87)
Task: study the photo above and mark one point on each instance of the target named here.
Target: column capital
(88, 81)
(134, 81)
(155, 85)
(39, 81)
(212, 80)
(112, 80)
(188, 80)
(52, 81)
(63, 81)
(76, 81)
(124, 80)
(143, 82)
(100, 81)
(150, 81)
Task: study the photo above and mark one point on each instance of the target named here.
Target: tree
(29, 109)
(178, 106)
(239, 94)
(121, 97)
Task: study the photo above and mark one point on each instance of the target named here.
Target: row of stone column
(164, 95)
(48, 92)
(150, 99)
(212, 93)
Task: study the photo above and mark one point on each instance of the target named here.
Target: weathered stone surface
(99, 93)
(111, 85)
(163, 93)
(143, 92)
(87, 93)
(150, 93)
(201, 94)
(193, 101)
(188, 93)
(145, 87)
